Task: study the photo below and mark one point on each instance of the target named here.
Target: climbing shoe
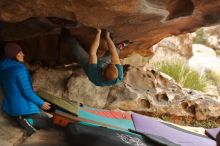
(123, 44)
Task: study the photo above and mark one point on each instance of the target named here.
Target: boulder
(144, 22)
(80, 89)
(144, 91)
(51, 137)
(53, 81)
(173, 47)
(204, 59)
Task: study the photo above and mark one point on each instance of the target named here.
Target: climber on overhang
(20, 101)
(105, 71)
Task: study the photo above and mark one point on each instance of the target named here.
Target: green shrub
(200, 37)
(205, 124)
(171, 68)
(194, 81)
(218, 52)
(181, 73)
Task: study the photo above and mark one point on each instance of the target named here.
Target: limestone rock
(135, 60)
(51, 137)
(54, 81)
(173, 47)
(145, 22)
(202, 50)
(80, 89)
(5, 143)
(212, 36)
(9, 131)
(204, 59)
(145, 91)
(151, 91)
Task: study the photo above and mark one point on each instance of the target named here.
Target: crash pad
(110, 117)
(148, 125)
(60, 103)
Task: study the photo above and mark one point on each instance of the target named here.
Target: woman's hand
(45, 106)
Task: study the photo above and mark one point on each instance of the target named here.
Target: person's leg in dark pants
(33, 122)
(81, 56)
(26, 125)
(39, 121)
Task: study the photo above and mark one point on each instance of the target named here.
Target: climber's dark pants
(82, 56)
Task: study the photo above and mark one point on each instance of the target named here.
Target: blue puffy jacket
(19, 97)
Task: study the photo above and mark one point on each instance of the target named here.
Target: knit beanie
(11, 50)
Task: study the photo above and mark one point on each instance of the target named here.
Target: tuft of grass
(194, 81)
(218, 52)
(171, 68)
(200, 37)
(205, 124)
(182, 74)
(190, 121)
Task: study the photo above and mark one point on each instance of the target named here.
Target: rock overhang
(144, 22)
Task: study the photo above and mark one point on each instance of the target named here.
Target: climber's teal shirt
(19, 97)
(94, 73)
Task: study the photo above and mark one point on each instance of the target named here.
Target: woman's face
(20, 56)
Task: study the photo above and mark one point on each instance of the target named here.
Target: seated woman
(20, 101)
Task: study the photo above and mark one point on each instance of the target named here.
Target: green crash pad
(67, 105)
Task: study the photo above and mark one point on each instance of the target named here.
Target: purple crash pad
(212, 132)
(147, 125)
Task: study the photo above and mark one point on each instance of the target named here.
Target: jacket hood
(7, 63)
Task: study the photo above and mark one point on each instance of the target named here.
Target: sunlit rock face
(212, 37)
(171, 48)
(144, 22)
(204, 59)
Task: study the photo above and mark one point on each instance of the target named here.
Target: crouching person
(20, 101)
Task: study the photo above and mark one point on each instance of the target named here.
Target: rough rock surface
(80, 89)
(10, 133)
(51, 137)
(145, 22)
(56, 80)
(212, 36)
(136, 60)
(192, 48)
(173, 47)
(141, 91)
(186, 45)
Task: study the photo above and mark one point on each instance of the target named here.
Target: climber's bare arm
(114, 54)
(94, 48)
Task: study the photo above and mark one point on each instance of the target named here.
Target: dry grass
(182, 74)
